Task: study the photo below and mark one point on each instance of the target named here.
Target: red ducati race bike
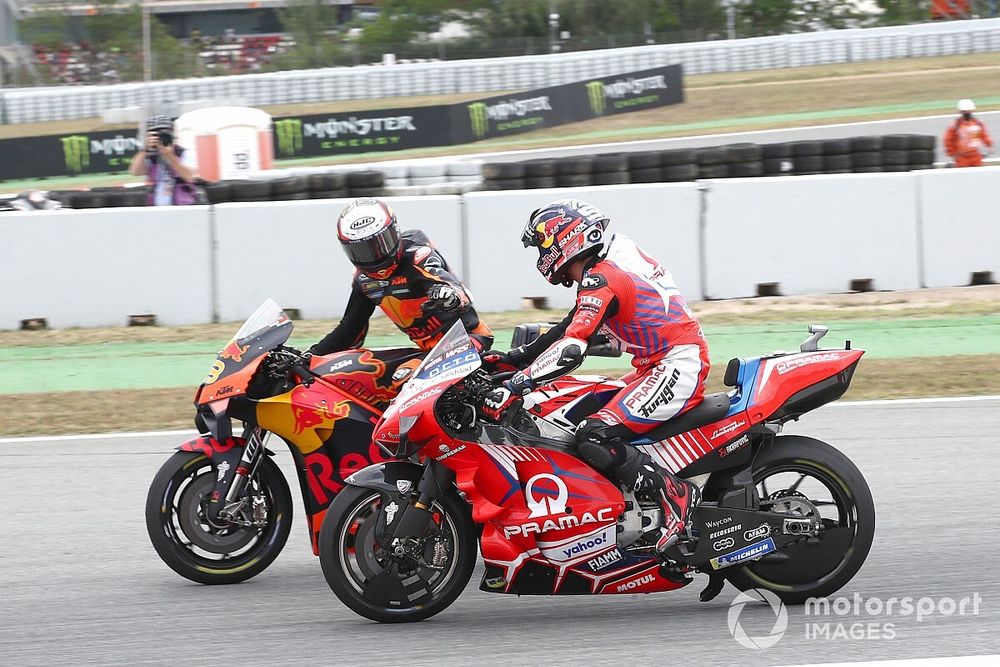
(783, 512)
(219, 510)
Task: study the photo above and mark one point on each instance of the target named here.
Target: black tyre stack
(368, 183)
(290, 188)
(645, 167)
(807, 157)
(921, 152)
(328, 185)
(777, 159)
(679, 165)
(539, 173)
(575, 171)
(836, 156)
(866, 154)
(745, 160)
(505, 175)
(895, 152)
(251, 191)
(611, 169)
(713, 162)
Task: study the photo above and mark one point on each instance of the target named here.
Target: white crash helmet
(966, 105)
(368, 232)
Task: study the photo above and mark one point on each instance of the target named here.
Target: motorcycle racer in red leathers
(631, 298)
(405, 276)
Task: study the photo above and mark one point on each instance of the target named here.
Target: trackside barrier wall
(289, 251)
(960, 224)
(663, 218)
(95, 268)
(811, 234)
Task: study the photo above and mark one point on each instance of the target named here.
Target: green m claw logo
(478, 119)
(289, 134)
(595, 93)
(76, 152)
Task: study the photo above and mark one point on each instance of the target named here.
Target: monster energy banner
(568, 103)
(68, 155)
(361, 132)
(373, 131)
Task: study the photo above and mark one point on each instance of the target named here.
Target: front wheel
(211, 552)
(388, 588)
(802, 477)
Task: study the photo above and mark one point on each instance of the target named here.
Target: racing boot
(677, 497)
(636, 471)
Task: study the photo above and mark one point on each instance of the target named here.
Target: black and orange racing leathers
(402, 296)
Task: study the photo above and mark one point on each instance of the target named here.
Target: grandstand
(206, 17)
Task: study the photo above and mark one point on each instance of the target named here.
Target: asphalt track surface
(80, 583)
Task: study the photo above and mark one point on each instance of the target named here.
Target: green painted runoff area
(166, 365)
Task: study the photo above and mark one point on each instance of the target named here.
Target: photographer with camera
(170, 169)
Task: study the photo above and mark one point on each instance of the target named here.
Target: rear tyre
(196, 548)
(818, 566)
(364, 577)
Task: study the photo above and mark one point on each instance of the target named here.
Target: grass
(147, 409)
(133, 410)
(716, 103)
(926, 303)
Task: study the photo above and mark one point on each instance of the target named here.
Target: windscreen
(452, 358)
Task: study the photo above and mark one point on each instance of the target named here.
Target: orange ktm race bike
(219, 510)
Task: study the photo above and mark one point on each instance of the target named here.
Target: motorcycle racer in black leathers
(405, 276)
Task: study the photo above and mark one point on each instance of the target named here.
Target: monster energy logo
(289, 133)
(76, 152)
(595, 93)
(477, 116)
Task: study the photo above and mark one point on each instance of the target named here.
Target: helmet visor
(376, 251)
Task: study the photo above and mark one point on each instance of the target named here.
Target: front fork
(234, 508)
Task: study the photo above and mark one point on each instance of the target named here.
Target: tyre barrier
(896, 152)
(867, 154)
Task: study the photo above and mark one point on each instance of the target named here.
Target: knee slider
(596, 447)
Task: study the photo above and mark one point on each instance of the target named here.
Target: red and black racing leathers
(402, 297)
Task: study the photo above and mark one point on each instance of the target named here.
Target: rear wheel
(215, 552)
(381, 586)
(801, 477)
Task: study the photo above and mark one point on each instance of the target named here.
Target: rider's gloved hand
(504, 362)
(520, 384)
(442, 298)
(497, 402)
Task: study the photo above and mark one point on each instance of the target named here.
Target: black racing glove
(441, 298)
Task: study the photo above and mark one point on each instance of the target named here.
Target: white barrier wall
(662, 218)
(960, 220)
(95, 268)
(289, 251)
(811, 234)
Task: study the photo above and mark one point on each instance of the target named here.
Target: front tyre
(801, 476)
(210, 552)
(384, 588)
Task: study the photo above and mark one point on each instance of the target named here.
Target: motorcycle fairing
(225, 456)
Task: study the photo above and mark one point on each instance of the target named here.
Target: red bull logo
(234, 352)
(311, 410)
